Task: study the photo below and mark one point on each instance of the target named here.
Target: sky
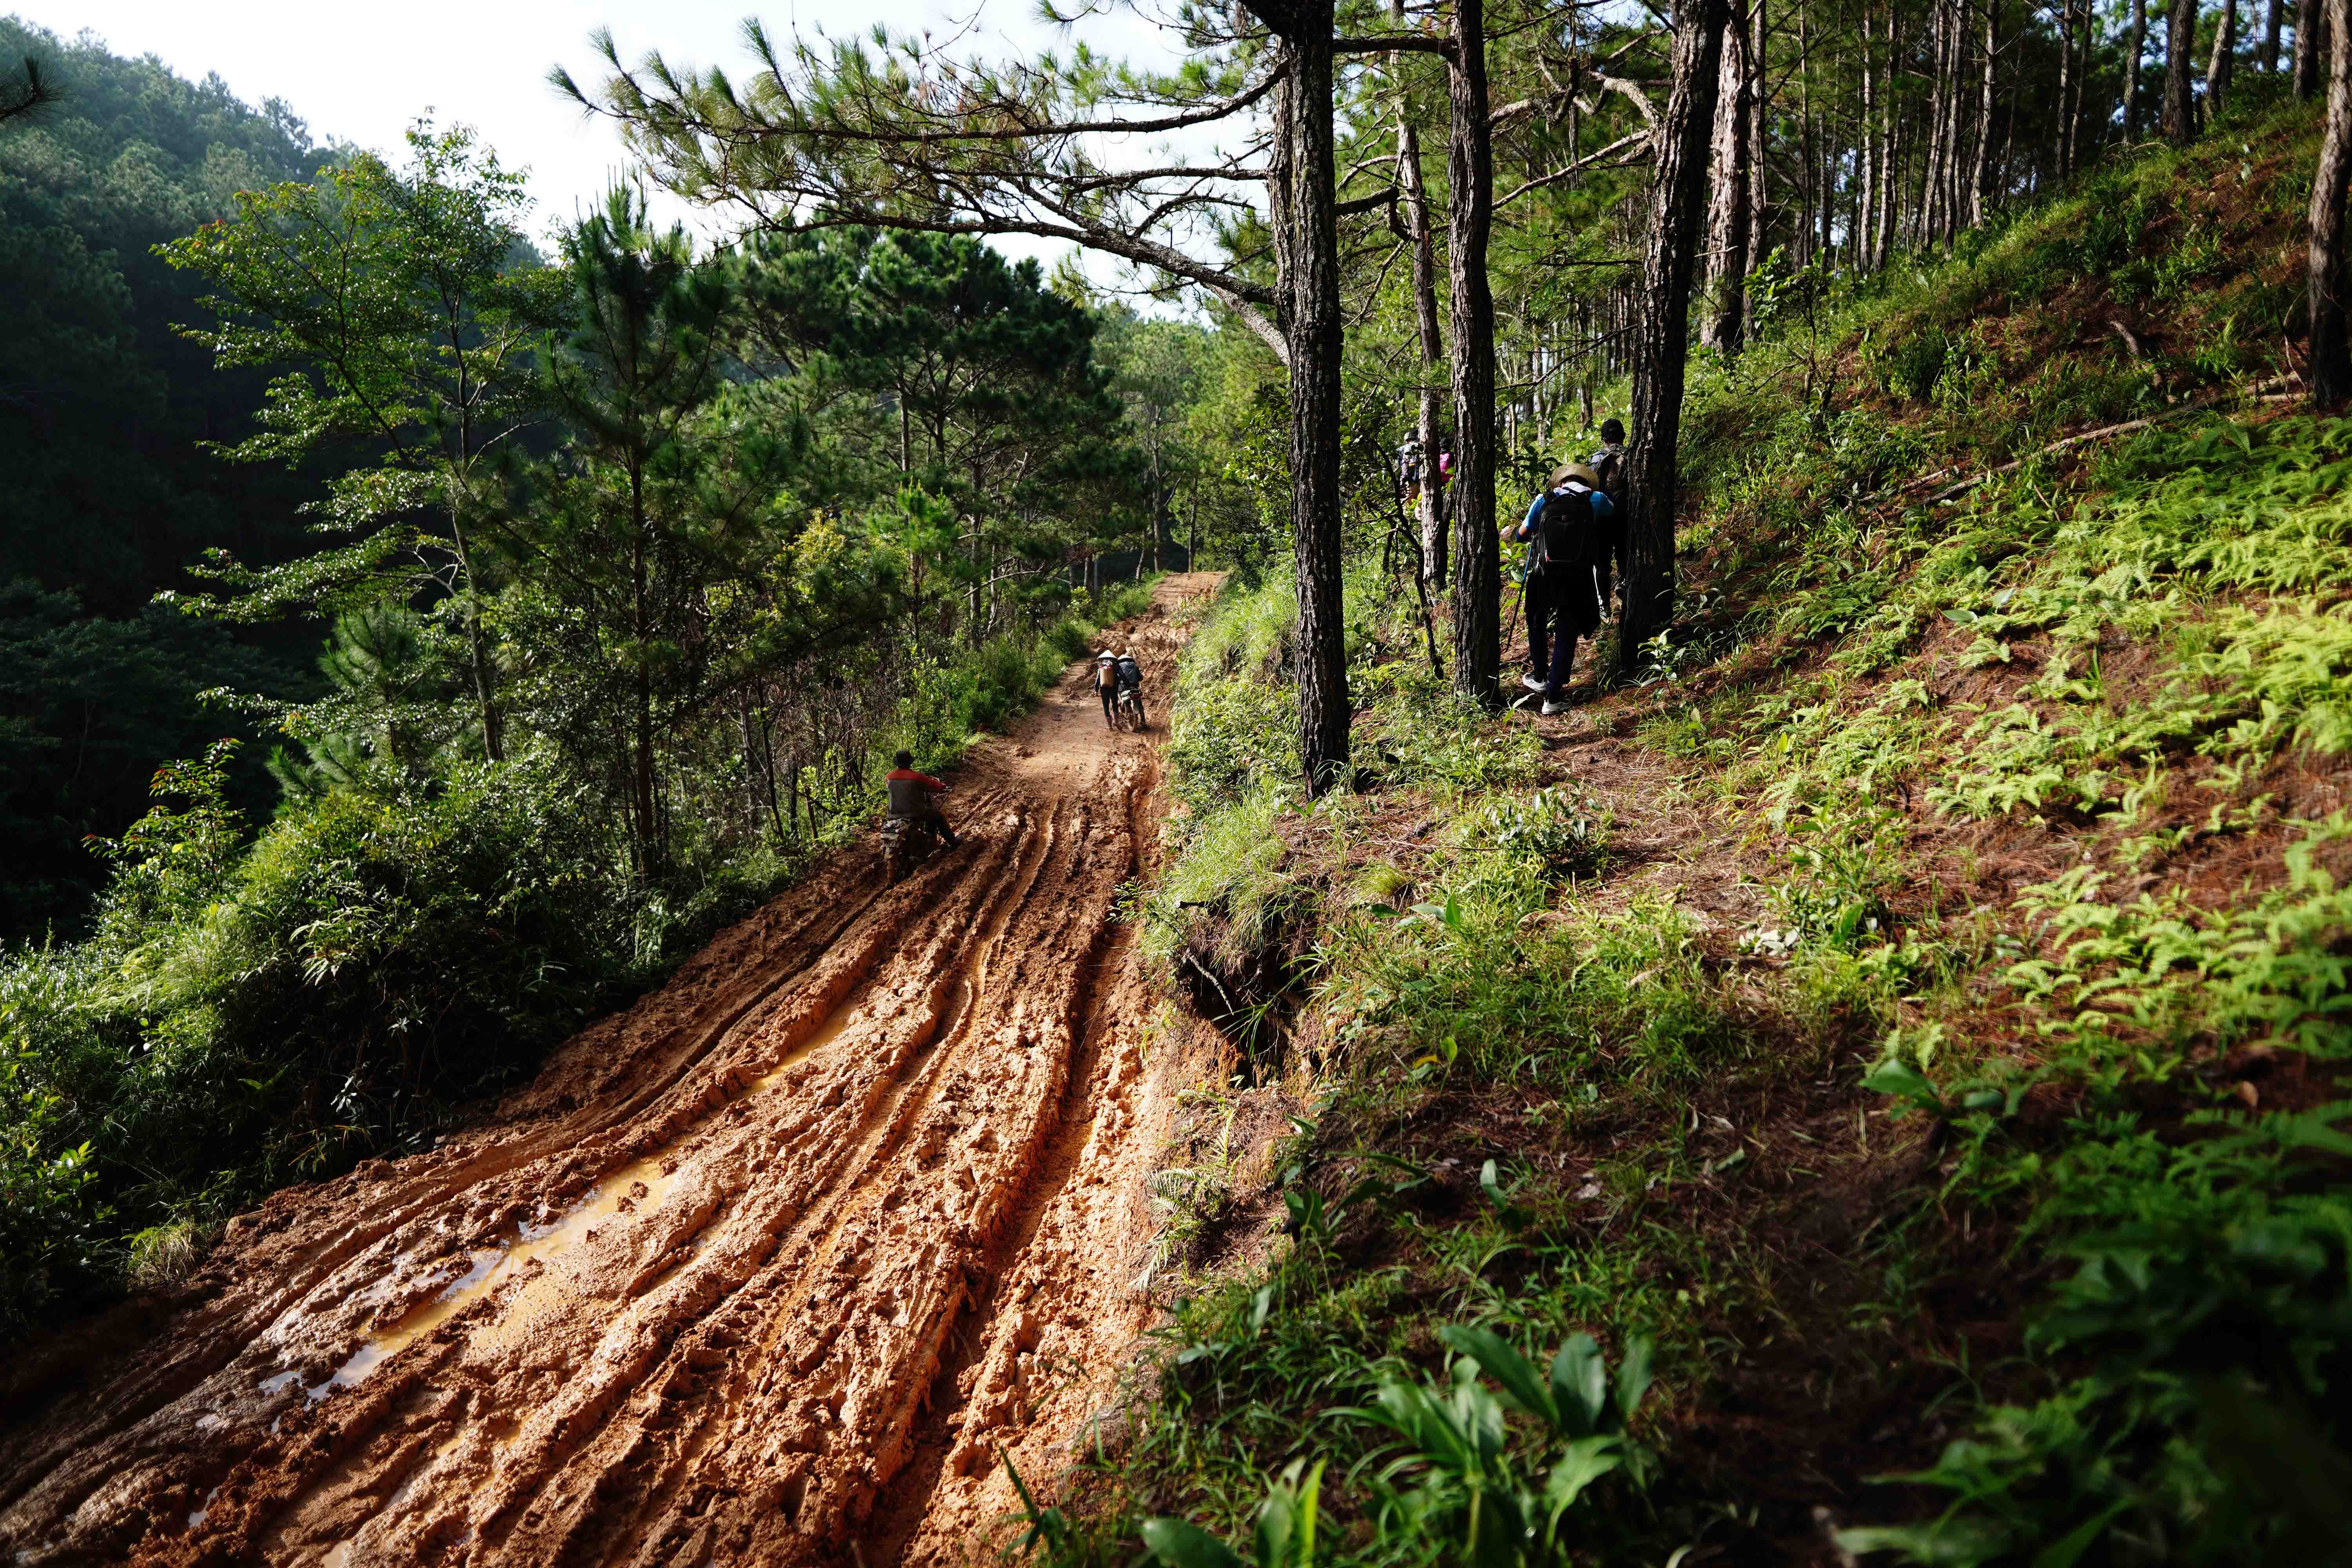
(361, 73)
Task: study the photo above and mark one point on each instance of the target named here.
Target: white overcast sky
(363, 72)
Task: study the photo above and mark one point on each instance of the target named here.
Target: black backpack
(1611, 468)
(1564, 528)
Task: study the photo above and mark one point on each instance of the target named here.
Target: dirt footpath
(771, 1268)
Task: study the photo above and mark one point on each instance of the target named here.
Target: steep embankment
(768, 1269)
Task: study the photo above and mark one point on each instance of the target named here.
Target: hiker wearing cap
(1571, 551)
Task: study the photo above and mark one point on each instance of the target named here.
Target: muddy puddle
(535, 1267)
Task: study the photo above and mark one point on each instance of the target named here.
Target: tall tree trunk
(1415, 191)
(1470, 170)
(2064, 124)
(478, 656)
(1677, 208)
(2270, 55)
(2308, 25)
(2219, 64)
(1314, 332)
(1985, 94)
(1300, 187)
(1760, 173)
(2179, 50)
(641, 631)
(2331, 354)
(1727, 240)
(1866, 156)
(2131, 67)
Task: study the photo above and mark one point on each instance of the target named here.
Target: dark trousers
(1551, 645)
(1109, 694)
(938, 819)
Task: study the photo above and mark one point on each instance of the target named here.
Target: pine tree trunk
(1470, 170)
(1985, 95)
(1677, 208)
(1726, 325)
(2179, 50)
(2330, 374)
(2219, 65)
(2270, 55)
(1415, 194)
(1312, 330)
(2131, 67)
(1865, 155)
(1759, 110)
(2307, 29)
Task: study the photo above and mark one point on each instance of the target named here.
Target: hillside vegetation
(1890, 1053)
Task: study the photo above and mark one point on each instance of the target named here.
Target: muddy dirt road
(768, 1269)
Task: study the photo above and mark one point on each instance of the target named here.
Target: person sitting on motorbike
(913, 797)
(1130, 674)
(1107, 685)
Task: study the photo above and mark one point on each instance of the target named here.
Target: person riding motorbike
(1127, 675)
(913, 797)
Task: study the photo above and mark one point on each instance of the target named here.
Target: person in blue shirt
(1572, 547)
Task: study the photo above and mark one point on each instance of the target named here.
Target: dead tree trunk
(2331, 356)
(1660, 347)
(2179, 49)
(1470, 170)
(1727, 239)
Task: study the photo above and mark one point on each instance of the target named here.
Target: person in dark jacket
(1607, 464)
(1572, 545)
(913, 797)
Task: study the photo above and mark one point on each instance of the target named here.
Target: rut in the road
(850, 1206)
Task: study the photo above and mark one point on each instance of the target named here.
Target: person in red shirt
(912, 797)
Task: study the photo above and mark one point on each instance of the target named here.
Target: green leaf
(1579, 1381)
(1519, 1380)
(1633, 1376)
(2064, 1551)
(1587, 1460)
(1906, 1082)
(1946, 1543)
(1177, 1544)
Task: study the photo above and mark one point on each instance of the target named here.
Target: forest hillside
(1904, 1021)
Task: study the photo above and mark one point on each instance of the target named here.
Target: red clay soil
(771, 1268)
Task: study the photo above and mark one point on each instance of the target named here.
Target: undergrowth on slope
(1972, 1168)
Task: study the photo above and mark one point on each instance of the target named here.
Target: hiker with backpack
(1572, 545)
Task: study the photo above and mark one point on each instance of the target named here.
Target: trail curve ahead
(768, 1269)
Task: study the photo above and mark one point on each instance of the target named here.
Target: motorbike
(907, 843)
(1129, 708)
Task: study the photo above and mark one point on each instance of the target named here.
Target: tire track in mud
(764, 1269)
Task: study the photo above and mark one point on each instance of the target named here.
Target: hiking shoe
(1532, 683)
(1552, 705)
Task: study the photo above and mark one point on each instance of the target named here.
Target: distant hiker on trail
(1570, 551)
(913, 797)
(1608, 463)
